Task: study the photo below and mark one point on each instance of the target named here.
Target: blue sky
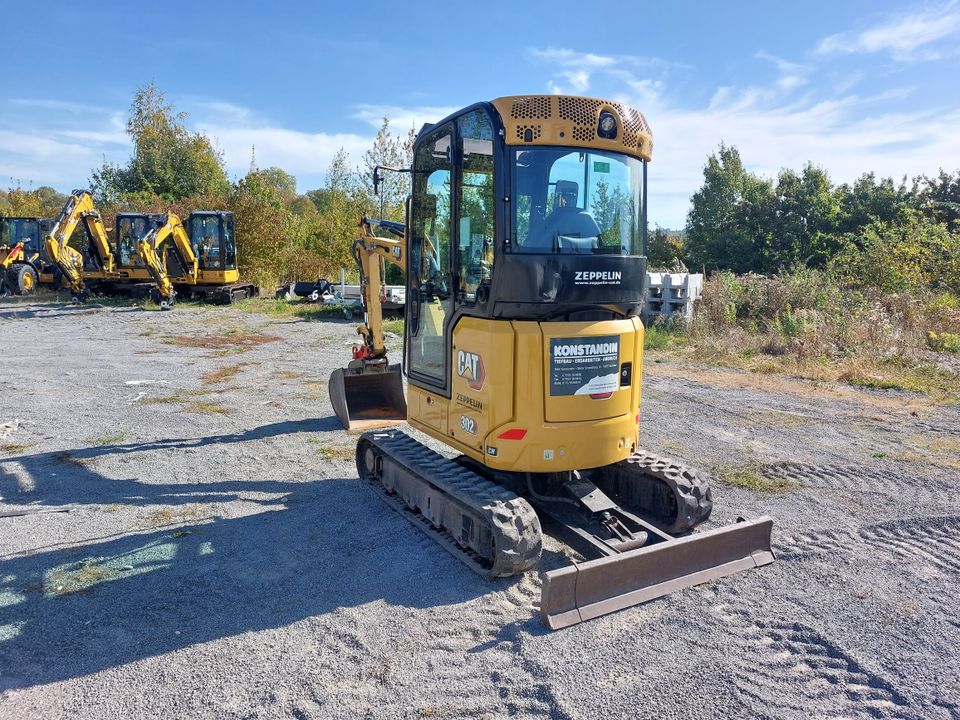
(851, 86)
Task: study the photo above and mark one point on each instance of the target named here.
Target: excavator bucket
(587, 590)
(367, 400)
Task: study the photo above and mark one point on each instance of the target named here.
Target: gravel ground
(219, 557)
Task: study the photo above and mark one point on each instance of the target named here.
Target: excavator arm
(369, 391)
(150, 252)
(79, 208)
(368, 251)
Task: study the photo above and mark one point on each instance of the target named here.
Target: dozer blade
(587, 590)
(366, 400)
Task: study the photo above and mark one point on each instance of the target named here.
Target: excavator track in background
(671, 495)
(492, 530)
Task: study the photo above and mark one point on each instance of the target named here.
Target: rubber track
(691, 491)
(513, 523)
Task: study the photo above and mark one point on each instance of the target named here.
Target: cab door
(430, 286)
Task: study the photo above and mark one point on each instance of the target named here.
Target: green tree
(730, 219)
(868, 200)
(806, 220)
(940, 198)
(910, 253)
(664, 248)
(168, 161)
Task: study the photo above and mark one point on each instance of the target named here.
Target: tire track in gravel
(931, 540)
(929, 546)
(857, 478)
(784, 669)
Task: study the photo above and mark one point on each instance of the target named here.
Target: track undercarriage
(623, 518)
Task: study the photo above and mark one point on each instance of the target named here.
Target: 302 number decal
(468, 424)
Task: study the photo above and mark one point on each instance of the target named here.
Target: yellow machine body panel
(562, 120)
(210, 277)
(517, 402)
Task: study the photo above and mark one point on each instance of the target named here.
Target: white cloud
(566, 57)
(783, 123)
(845, 136)
(64, 148)
(299, 153)
(792, 75)
(905, 37)
(58, 105)
(401, 118)
(573, 70)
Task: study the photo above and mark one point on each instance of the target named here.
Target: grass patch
(944, 342)
(207, 407)
(77, 579)
(14, 448)
(108, 439)
(749, 477)
(178, 397)
(394, 326)
(302, 310)
(221, 374)
(335, 452)
(313, 390)
(288, 374)
(657, 338)
(173, 515)
(231, 339)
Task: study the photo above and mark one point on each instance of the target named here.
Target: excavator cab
(130, 229)
(214, 243)
(23, 259)
(524, 250)
(21, 229)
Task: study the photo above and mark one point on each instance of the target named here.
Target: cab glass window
(430, 295)
(206, 241)
(474, 256)
(576, 201)
(25, 230)
(229, 244)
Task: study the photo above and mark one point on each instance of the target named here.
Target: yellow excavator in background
(79, 210)
(196, 260)
(524, 248)
(13, 255)
(22, 266)
(151, 251)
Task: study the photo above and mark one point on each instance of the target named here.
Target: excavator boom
(150, 249)
(78, 209)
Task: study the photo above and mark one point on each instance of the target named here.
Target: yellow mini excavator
(79, 210)
(524, 249)
(151, 249)
(197, 259)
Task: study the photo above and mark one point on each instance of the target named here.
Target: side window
(474, 252)
(229, 244)
(429, 296)
(205, 236)
(126, 242)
